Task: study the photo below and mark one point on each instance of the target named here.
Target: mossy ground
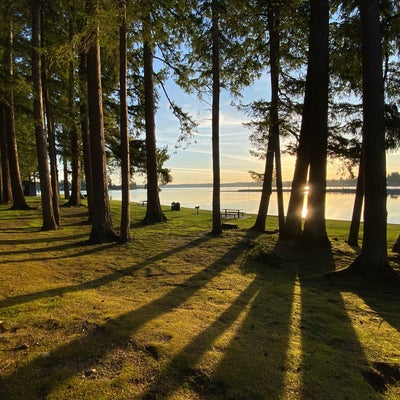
(180, 314)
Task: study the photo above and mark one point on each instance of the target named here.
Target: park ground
(180, 314)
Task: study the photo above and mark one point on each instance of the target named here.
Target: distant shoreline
(344, 190)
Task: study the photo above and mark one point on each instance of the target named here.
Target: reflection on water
(338, 205)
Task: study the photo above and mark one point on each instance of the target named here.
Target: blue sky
(194, 163)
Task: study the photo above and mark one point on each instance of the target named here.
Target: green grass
(180, 314)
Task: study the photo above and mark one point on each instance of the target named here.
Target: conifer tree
(49, 222)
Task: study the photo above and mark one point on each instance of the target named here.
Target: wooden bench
(231, 213)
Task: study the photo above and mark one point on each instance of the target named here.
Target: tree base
(358, 272)
(151, 218)
(70, 204)
(103, 237)
(22, 207)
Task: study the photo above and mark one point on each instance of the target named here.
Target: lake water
(338, 206)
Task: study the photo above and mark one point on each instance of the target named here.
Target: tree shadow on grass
(45, 240)
(59, 249)
(41, 376)
(385, 304)
(308, 348)
(242, 354)
(103, 280)
(333, 361)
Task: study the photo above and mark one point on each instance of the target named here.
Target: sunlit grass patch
(181, 314)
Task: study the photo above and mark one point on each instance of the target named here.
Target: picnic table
(142, 202)
(232, 213)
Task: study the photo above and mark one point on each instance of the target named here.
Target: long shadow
(386, 304)
(182, 371)
(255, 364)
(104, 280)
(333, 361)
(247, 367)
(45, 240)
(84, 353)
(60, 248)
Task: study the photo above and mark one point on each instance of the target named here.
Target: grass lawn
(180, 314)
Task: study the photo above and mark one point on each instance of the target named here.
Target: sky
(193, 163)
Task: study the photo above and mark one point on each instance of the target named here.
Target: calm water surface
(338, 206)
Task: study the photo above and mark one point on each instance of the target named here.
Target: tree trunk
(52, 150)
(314, 225)
(266, 191)
(125, 160)
(357, 208)
(273, 137)
(5, 170)
(83, 111)
(216, 196)
(50, 134)
(373, 259)
(293, 228)
(49, 222)
(67, 194)
(275, 44)
(153, 212)
(75, 145)
(15, 176)
(102, 229)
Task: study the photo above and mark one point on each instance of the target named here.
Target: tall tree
(273, 147)
(49, 222)
(154, 212)
(125, 156)
(74, 140)
(18, 197)
(373, 259)
(314, 225)
(51, 136)
(5, 170)
(84, 124)
(102, 228)
(354, 230)
(313, 128)
(216, 88)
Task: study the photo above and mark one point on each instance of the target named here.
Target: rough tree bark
(314, 225)
(84, 122)
(153, 212)
(18, 197)
(102, 228)
(49, 221)
(372, 261)
(273, 136)
(352, 240)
